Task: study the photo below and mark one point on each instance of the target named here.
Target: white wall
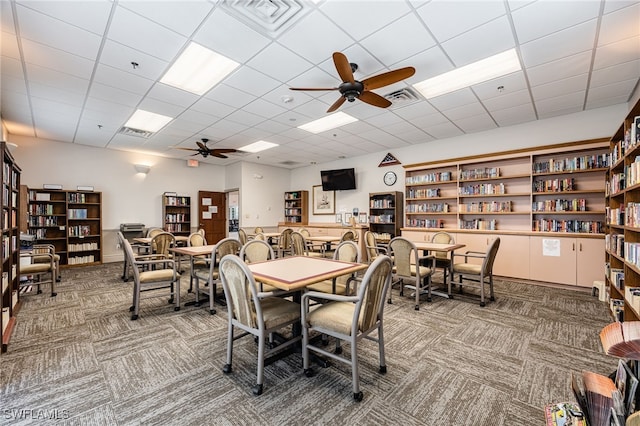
(586, 125)
(127, 196)
(262, 195)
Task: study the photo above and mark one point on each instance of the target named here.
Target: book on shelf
(621, 339)
(627, 384)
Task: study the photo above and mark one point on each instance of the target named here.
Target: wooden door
(590, 261)
(553, 259)
(212, 215)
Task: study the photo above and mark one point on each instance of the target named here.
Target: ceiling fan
(352, 89)
(205, 151)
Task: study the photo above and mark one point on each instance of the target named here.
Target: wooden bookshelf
(622, 206)
(296, 207)
(10, 265)
(385, 213)
(176, 214)
(69, 220)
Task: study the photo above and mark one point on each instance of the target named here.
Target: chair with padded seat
(211, 275)
(160, 245)
(39, 265)
(477, 270)
(443, 260)
(151, 273)
(50, 248)
(283, 246)
(350, 319)
(242, 236)
(407, 267)
(197, 239)
(348, 235)
(259, 251)
(372, 247)
(254, 314)
(258, 230)
(300, 247)
(347, 251)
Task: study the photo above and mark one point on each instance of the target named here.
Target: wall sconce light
(142, 168)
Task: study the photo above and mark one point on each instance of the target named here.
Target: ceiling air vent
(403, 97)
(289, 163)
(130, 131)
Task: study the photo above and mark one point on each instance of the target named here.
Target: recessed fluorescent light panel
(329, 122)
(486, 69)
(149, 121)
(198, 69)
(258, 146)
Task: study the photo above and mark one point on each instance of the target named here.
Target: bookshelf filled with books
(176, 214)
(385, 213)
(622, 205)
(296, 207)
(10, 250)
(69, 220)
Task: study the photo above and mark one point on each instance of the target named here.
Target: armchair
(442, 258)
(372, 246)
(347, 251)
(211, 276)
(478, 273)
(349, 318)
(150, 280)
(42, 267)
(253, 314)
(406, 266)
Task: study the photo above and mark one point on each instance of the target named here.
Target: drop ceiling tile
(175, 15)
(468, 110)
(617, 53)
(508, 99)
(448, 19)
(378, 14)
(560, 87)
(413, 136)
(211, 107)
(52, 32)
(444, 130)
(86, 135)
(614, 90)
(263, 108)
(415, 38)
(279, 63)
(11, 67)
(197, 117)
(224, 129)
(107, 112)
(9, 45)
(56, 79)
(251, 81)
(303, 38)
(273, 128)
(124, 80)
(453, 100)
(367, 62)
(487, 40)
(181, 128)
(229, 37)
(568, 102)
(620, 25)
(59, 60)
(119, 56)
(560, 112)
(160, 107)
(560, 69)
(604, 102)
(510, 83)
(55, 94)
(542, 18)
(415, 110)
(558, 45)
(612, 5)
(625, 71)
(230, 96)
(428, 64)
(6, 17)
(89, 15)
(173, 95)
(514, 115)
(112, 94)
(244, 118)
(476, 123)
(141, 34)
(427, 121)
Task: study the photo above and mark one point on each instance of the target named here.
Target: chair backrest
(161, 243)
(372, 293)
(152, 232)
(242, 236)
(492, 251)
(222, 248)
(347, 251)
(403, 252)
(241, 292)
(258, 230)
(442, 238)
(196, 239)
(285, 239)
(298, 244)
(348, 236)
(256, 251)
(371, 245)
(305, 232)
(128, 252)
(202, 232)
(259, 236)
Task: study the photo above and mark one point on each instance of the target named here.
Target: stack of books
(622, 339)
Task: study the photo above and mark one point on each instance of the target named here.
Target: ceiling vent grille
(130, 131)
(269, 17)
(289, 163)
(402, 97)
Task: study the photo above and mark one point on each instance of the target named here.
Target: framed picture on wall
(347, 217)
(339, 218)
(324, 202)
(363, 217)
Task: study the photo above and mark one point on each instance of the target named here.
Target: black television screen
(338, 180)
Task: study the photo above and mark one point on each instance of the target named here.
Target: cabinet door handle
(580, 246)
(573, 247)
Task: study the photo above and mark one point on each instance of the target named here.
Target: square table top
(323, 238)
(296, 272)
(423, 245)
(193, 250)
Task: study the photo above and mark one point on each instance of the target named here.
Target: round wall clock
(390, 178)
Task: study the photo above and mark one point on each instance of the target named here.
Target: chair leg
(482, 303)
(257, 389)
(227, 367)
(355, 376)
(491, 295)
(177, 295)
(212, 294)
(383, 362)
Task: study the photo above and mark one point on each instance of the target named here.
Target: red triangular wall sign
(389, 160)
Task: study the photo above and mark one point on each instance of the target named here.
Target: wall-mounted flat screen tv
(338, 180)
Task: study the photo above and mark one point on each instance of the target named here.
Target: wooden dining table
(428, 247)
(325, 240)
(193, 253)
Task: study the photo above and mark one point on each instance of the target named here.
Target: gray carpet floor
(78, 359)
